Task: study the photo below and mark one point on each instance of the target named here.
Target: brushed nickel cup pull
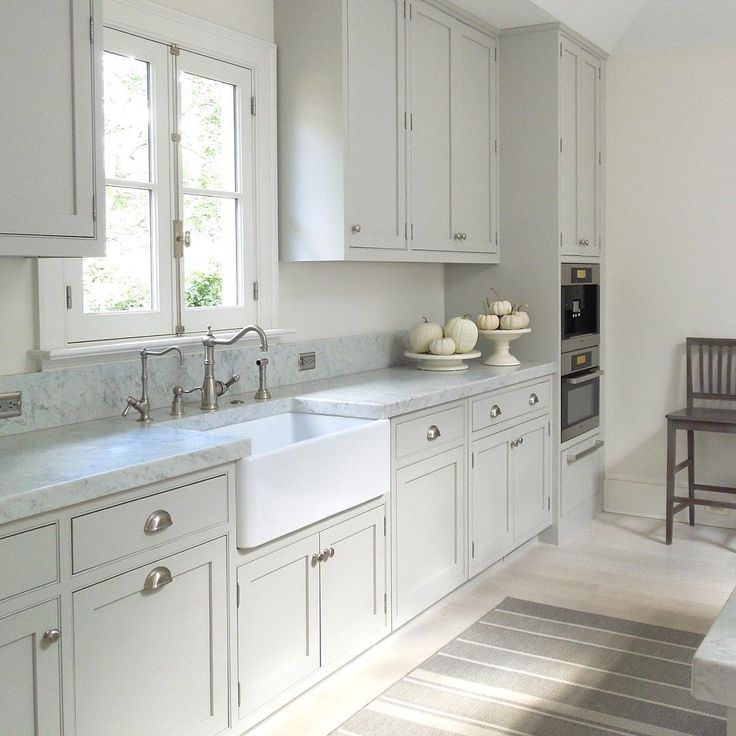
(433, 432)
(533, 399)
(495, 411)
(157, 578)
(157, 521)
(51, 635)
(356, 229)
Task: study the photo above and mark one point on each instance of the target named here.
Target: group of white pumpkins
(460, 334)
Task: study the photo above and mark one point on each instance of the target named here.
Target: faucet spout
(209, 340)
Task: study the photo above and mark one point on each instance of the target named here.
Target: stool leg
(671, 449)
(691, 472)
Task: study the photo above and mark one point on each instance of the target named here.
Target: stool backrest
(711, 369)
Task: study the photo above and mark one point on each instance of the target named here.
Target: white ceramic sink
(304, 468)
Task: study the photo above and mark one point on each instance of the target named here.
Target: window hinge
(176, 138)
(253, 105)
(385, 603)
(174, 50)
(238, 695)
(179, 330)
(472, 550)
(94, 208)
(237, 595)
(68, 297)
(91, 30)
(256, 291)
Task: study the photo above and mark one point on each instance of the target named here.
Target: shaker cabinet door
(49, 159)
(30, 682)
(530, 467)
(150, 649)
(375, 201)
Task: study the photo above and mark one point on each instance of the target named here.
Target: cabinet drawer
(103, 536)
(581, 473)
(497, 408)
(29, 560)
(430, 432)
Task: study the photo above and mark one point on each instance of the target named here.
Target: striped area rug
(529, 669)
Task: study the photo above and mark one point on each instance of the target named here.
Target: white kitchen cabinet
(581, 473)
(429, 525)
(30, 672)
(52, 187)
(151, 648)
(580, 150)
(530, 465)
(308, 604)
(387, 130)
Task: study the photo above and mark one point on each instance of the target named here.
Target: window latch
(182, 239)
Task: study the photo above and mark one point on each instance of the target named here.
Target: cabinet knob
(533, 399)
(321, 557)
(514, 443)
(51, 635)
(584, 242)
(357, 229)
(157, 521)
(328, 554)
(495, 411)
(458, 236)
(433, 432)
(157, 578)
(520, 441)
(465, 236)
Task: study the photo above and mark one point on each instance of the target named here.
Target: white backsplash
(71, 395)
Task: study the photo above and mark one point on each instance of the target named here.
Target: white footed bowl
(501, 339)
(455, 362)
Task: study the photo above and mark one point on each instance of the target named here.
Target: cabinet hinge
(174, 50)
(549, 428)
(495, 53)
(411, 121)
(253, 105)
(91, 30)
(472, 459)
(406, 231)
(560, 51)
(560, 145)
(256, 291)
(549, 503)
(94, 208)
(385, 603)
(472, 550)
(496, 237)
(404, 121)
(384, 526)
(238, 695)
(404, 8)
(412, 231)
(599, 242)
(237, 595)
(495, 145)
(560, 240)
(411, 12)
(599, 73)
(68, 297)
(600, 159)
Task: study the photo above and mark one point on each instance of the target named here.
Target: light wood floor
(618, 566)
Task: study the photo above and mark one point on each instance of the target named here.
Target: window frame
(171, 27)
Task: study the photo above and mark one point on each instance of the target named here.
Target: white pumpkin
(487, 321)
(517, 310)
(422, 334)
(499, 307)
(463, 331)
(442, 346)
(512, 322)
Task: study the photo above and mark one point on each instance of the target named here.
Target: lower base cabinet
(308, 604)
(30, 696)
(151, 651)
(429, 521)
(581, 474)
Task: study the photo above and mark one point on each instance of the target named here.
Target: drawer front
(29, 560)
(581, 473)
(135, 526)
(497, 408)
(428, 433)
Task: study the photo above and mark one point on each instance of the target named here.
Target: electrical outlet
(307, 361)
(10, 405)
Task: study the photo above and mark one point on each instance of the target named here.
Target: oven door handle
(577, 380)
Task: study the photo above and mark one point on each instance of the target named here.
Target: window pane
(208, 133)
(121, 281)
(210, 262)
(126, 118)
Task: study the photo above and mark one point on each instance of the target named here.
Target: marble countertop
(714, 663)
(51, 469)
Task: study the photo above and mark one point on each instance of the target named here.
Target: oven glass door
(580, 403)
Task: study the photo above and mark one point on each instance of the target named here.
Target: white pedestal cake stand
(455, 362)
(501, 354)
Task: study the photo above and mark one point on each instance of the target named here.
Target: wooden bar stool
(711, 378)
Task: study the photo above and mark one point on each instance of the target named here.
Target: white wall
(319, 300)
(671, 255)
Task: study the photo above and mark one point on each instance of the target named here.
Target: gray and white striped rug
(527, 669)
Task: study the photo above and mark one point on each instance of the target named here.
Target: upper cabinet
(52, 188)
(581, 157)
(387, 133)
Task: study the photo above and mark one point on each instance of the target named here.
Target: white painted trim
(151, 20)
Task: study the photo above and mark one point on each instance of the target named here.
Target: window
(190, 191)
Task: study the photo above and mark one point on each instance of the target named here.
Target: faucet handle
(223, 387)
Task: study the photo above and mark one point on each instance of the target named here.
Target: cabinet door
(154, 661)
(30, 683)
(490, 502)
(429, 526)
(474, 182)
(569, 103)
(431, 34)
(48, 87)
(278, 622)
(353, 585)
(530, 468)
(376, 141)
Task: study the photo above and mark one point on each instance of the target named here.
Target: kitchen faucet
(211, 388)
(142, 405)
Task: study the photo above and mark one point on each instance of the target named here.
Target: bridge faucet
(212, 389)
(142, 405)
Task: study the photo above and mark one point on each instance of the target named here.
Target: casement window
(189, 234)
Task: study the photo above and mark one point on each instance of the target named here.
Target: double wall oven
(580, 360)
